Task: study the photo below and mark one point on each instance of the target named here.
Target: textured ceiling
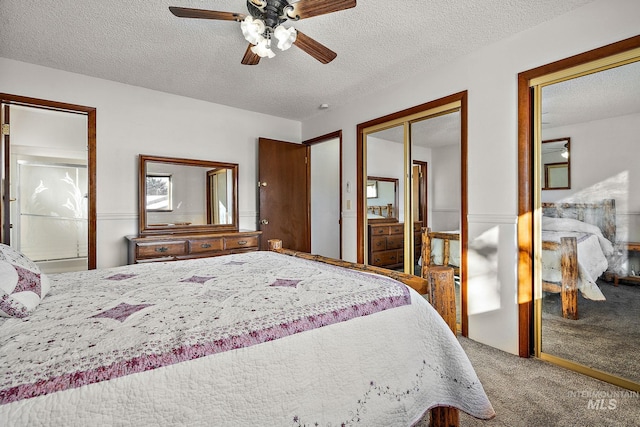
(379, 43)
(610, 93)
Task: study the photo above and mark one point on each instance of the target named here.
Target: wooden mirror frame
(548, 166)
(394, 216)
(145, 229)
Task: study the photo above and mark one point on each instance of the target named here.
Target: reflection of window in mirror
(159, 193)
(556, 164)
(372, 189)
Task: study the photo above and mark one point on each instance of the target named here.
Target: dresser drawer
(385, 258)
(161, 249)
(240, 242)
(395, 242)
(396, 229)
(197, 246)
(380, 231)
(378, 243)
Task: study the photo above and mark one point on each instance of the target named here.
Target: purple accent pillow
(22, 284)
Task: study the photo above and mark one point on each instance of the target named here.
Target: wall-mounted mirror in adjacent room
(556, 164)
(382, 199)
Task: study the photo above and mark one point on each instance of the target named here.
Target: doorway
(48, 193)
(300, 194)
(592, 150)
(326, 194)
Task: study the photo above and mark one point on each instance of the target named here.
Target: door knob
(264, 221)
(262, 184)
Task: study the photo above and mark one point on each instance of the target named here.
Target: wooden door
(284, 205)
(420, 201)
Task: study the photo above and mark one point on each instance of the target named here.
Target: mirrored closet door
(588, 283)
(410, 178)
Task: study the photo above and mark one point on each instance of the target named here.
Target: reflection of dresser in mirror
(386, 244)
(188, 209)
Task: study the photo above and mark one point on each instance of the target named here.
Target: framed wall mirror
(556, 164)
(187, 196)
(382, 199)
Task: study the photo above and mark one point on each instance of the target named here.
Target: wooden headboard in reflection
(601, 214)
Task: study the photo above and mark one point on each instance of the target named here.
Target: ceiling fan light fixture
(263, 49)
(252, 29)
(285, 36)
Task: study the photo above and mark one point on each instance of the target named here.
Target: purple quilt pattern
(103, 324)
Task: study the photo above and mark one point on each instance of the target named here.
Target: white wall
(132, 121)
(385, 159)
(490, 77)
(445, 188)
(605, 163)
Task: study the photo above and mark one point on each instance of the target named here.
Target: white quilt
(593, 251)
(249, 339)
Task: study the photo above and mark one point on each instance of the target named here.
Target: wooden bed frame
(603, 215)
(437, 283)
(427, 254)
(385, 211)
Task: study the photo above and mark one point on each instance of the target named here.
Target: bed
(259, 338)
(442, 248)
(382, 211)
(578, 247)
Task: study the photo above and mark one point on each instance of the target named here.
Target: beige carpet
(606, 335)
(530, 392)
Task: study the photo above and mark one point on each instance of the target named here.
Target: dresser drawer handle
(162, 249)
(205, 246)
(242, 242)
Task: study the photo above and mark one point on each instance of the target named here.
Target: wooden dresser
(169, 247)
(386, 244)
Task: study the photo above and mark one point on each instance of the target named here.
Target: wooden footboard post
(569, 266)
(274, 244)
(442, 293)
(426, 252)
(443, 299)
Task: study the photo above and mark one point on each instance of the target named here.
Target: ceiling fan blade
(183, 12)
(314, 48)
(308, 8)
(249, 57)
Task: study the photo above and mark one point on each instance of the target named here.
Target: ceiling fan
(264, 23)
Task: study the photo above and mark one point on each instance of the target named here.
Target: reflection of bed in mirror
(442, 248)
(381, 212)
(577, 248)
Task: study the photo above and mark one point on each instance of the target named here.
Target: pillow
(22, 285)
